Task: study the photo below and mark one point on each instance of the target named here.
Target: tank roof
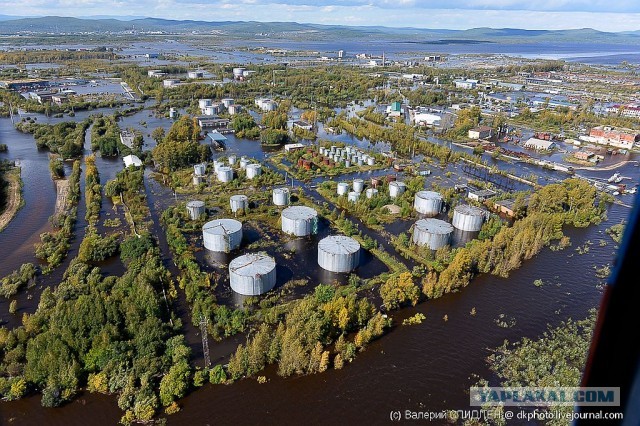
(195, 203)
(299, 213)
(397, 183)
(434, 226)
(429, 195)
(239, 197)
(339, 244)
(469, 210)
(252, 264)
(222, 226)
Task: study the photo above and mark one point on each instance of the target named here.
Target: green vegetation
(180, 147)
(105, 136)
(399, 290)
(616, 232)
(93, 190)
(13, 282)
(66, 138)
(56, 167)
(245, 126)
(415, 319)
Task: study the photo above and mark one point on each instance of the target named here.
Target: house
(481, 132)
(539, 144)
(508, 206)
(293, 147)
(583, 155)
(480, 194)
(302, 125)
(132, 160)
(631, 110)
(234, 109)
(59, 99)
(127, 138)
(620, 138)
(42, 97)
(395, 109)
(465, 84)
(213, 122)
(266, 104)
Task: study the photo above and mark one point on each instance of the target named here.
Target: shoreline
(14, 197)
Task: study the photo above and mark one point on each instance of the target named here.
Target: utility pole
(205, 340)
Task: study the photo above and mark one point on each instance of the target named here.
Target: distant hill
(288, 30)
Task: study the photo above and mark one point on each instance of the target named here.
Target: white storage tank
(467, 218)
(396, 189)
(371, 161)
(358, 185)
(200, 169)
(239, 202)
(197, 180)
(343, 188)
(281, 196)
(195, 209)
(172, 113)
(338, 253)
(371, 192)
(222, 235)
(347, 163)
(434, 233)
(232, 160)
(252, 274)
(225, 174)
(428, 203)
(244, 161)
(216, 165)
(353, 196)
(300, 221)
(253, 170)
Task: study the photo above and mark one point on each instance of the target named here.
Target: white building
(266, 104)
(465, 84)
(539, 144)
(427, 119)
(132, 160)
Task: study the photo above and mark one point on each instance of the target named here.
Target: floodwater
(427, 366)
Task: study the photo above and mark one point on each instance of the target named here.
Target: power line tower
(205, 340)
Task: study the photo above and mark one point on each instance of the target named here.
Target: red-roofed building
(605, 135)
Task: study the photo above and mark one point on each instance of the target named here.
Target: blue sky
(620, 15)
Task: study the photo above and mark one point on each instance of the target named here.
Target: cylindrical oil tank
(467, 218)
(281, 196)
(253, 170)
(358, 185)
(396, 189)
(195, 209)
(232, 160)
(343, 188)
(353, 196)
(428, 203)
(216, 165)
(299, 221)
(434, 233)
(239, 202)
(225, 174)
(338, 253)
(336, 158)
(360, 162)
(371, 161)
(197, 180)
(222, 235)
(244, 161)
(252, 274)
(347, 163)
(200, 169)
(371, 192)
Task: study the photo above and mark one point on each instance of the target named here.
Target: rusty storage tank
(222, 235)
(433, 233)
(338, 253)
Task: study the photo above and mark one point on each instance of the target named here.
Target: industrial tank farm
(338, 253)
(252, 274)
(222, 235)
(299, 221)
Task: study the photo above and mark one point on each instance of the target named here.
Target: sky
(611, 15)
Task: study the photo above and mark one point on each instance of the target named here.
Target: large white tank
(216, 165)
(467, 218)
(195, 209)
(300, 221)
(232, 160)
(252, 274)
(428, 203)
(244, 161)
(432, 232)
(239, 202)
(222, 235)
(353, 196)
(358, 185)
(225, 174)
(371, 192)
(253, 170)
(338, 253)
(343, 188)
(396, 189)
(371, 161)
(281, 196)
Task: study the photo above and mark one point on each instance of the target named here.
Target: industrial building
(539, 144)
(481, 132)
(252, 274)
(619, 138)
(465, 84)
(480, 194)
